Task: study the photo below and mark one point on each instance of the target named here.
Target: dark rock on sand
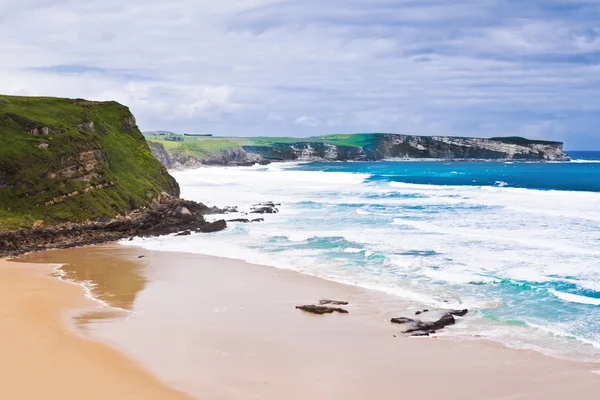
(333, 302)
(242, 220)
(402, 320)
(258, 220)
(415, 327)
(321, 309)
(184, 233)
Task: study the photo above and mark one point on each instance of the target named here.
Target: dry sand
(224, 329)
(41, 358)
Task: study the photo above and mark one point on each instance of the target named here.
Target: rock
(184, 233)
(44, 146)
(183, 211)
(130, 122)
(264, 208)
(86, 127)
(38, 224)
(162, 220)
(141, 256)
(421, 328)
(258, 220)
(420, 312)
(321, 309)
(459, 313)
(333, 302)
(402, 320)
(242, 220)
(45, 130)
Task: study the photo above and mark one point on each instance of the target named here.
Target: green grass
(26, 181)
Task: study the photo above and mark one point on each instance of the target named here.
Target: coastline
(42, 356)
(239, 336)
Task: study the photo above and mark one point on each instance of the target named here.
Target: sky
(300, 68)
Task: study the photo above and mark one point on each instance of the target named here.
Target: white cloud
(307, 121)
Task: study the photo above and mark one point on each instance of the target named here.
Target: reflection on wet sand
(109, 273)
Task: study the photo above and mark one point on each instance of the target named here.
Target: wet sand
(41, 358)
(224, 329)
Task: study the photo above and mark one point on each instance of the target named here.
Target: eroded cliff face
(441, 147)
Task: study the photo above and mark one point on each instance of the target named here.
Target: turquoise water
(517, 243)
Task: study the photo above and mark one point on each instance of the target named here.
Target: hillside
(73, 160)
(177, 151)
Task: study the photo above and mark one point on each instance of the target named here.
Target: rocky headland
(76, 172)
(179, 152)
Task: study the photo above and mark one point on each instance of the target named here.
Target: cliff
(190, 152)
(64, 160)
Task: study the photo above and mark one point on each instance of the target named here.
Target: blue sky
(277, 67)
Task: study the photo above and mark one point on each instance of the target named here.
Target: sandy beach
(223, 329)
(43, 358)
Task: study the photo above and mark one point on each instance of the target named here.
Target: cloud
(307, 121)
(277, 67)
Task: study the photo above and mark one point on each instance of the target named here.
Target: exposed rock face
(87, 127)
(233, 157)
(170, 216)
(405, 146)
(159, 152)
(226, 157)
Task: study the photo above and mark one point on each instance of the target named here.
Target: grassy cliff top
(73, 160)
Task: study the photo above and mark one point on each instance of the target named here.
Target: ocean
(518, 244)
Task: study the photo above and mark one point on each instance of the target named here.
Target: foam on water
(524, 260)
(573, 298)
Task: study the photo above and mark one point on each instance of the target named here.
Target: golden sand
(41, 358)
(224, 329)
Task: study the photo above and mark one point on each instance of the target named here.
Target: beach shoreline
(43, 357)
(238, 329)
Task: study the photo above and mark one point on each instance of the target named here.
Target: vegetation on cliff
(73, 160)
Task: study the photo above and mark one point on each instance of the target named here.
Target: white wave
(580, 161)
(352, 250)
(573, 298)
(458, 276)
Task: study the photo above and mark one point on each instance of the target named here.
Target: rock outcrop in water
(359, 147)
